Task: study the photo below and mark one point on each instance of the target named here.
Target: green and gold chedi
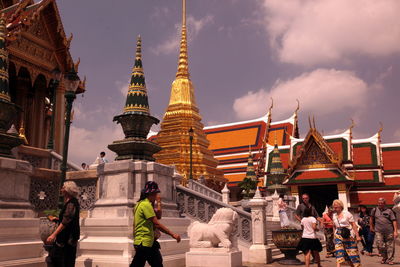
(136, 120)
(8, 110)
(277, 173)
(249, 183)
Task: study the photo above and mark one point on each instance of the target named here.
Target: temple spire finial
(183, 65)
(137, 100)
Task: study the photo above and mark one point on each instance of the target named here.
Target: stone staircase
(198, 202)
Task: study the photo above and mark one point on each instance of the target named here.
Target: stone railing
(201, 207)
(87, 182)
(204, 190)
(43, 193)
(45, 186)
(43, 158)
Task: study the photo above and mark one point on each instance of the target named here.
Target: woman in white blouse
(346, 250)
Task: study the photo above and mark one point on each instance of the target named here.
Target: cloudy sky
(340, 58)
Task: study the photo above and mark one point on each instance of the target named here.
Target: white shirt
(345, 220)
(308, 230)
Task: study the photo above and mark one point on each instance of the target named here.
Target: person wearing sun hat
(145, 220)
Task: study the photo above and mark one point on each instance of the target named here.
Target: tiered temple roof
(369, 168)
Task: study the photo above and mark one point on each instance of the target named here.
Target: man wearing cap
(145, 220)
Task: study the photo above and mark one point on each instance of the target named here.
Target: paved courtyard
(366, 261)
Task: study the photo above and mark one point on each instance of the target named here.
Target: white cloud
(397, 133)
(194, 26)
(122, 87)
(160, 12)
(309, 32)
(85, 145)
(321, 92)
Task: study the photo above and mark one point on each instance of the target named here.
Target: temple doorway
(320, 196)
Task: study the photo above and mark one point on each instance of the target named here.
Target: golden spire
(183, 66)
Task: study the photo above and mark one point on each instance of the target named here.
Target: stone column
(343, 195)
(107, 233)
(259, 251)
(20, 243)
(225, 194)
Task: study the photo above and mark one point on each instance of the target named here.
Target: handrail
(203, 189)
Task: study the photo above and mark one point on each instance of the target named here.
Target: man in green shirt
(147, 248)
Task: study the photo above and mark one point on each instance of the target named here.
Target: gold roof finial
(298, 106)
(272, 105)
(76, 65)
(183, 66)
(352, 124)
(380, 129)
(313, 119)
(309, 121)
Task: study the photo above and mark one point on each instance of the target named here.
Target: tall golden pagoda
(181, 115)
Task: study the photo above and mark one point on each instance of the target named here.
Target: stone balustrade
(42, 158)
(204, 190)
(201, 207)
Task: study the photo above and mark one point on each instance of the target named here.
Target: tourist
(103, 157)
(328, 232)
(365, 230)
(309, 242)
(346, 236)
(65, 237)
(283, 217)
(302, 206)
(145, 220)
(84, 166)
(383, 223)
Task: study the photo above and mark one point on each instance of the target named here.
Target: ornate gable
(314, 153)
(315, 161)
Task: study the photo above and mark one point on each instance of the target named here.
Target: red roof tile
(362, 156)
(391, 159)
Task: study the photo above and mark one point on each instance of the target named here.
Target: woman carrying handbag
(346, 236)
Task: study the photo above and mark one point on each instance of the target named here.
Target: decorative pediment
(314, 153)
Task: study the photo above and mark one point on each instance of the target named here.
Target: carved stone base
(134, 148)
(204, 257)
(107, 233)
(20, 244)
(8, 142)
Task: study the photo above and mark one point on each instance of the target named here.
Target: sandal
(383, 261)
(390, 262)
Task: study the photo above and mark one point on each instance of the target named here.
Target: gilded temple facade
(37, 44)
(182, 114)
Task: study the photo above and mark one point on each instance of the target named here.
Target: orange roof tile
(233, 138)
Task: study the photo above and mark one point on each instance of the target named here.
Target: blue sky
(339, 58)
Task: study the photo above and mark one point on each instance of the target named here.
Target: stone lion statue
(221, 229)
